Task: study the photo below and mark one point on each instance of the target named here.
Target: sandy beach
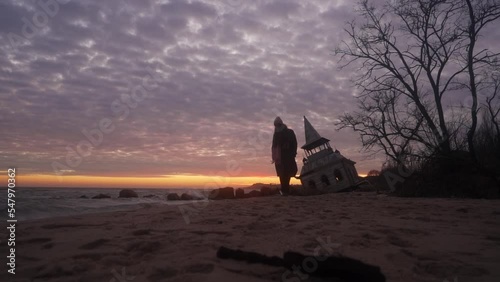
(410, 239)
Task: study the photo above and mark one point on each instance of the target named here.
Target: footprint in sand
(200, 268)
(35, 241)
(48, 246)
(410, 231)
(142, 247)
(26, 258)
(370, 236)
(141, 232)
(493, 238)
(448, 269)
(94, 244)
(68, 225)
(61, 269)
(93, 256)
(360, 243)
(162, 273)
(397, 241)
(113, 260)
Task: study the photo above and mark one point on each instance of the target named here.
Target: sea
(38, 203)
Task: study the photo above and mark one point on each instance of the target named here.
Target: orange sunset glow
(167, 181)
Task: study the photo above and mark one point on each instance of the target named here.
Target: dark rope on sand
(347, 269)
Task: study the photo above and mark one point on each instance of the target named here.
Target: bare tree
(480, 13)
(493, 104)
(487, 137)
(385, 125)
(411, 55)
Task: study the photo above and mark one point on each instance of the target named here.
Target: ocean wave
(38, 203)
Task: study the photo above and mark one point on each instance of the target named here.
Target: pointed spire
(311, 133)
(313, 139)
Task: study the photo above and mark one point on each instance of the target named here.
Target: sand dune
(410, 239)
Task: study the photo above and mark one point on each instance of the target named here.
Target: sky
(158, 93)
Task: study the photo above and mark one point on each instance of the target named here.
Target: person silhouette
(284, 150)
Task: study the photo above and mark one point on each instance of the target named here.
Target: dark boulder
(173, 197)
(254, 193)
(269, 191)
(197, 196)
(83, 197)
(239, 193)
(128, 193)
(186, 197)
(222, 193)
(101, 196)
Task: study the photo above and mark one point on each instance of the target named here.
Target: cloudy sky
(167, 88)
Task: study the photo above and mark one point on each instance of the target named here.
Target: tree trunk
(472, 81)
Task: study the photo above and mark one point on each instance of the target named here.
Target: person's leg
(285, 184)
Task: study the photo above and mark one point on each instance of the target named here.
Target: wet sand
(410, 239)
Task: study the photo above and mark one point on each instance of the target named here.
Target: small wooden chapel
(324, 169)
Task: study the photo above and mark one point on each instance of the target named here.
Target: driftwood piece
(338, 267)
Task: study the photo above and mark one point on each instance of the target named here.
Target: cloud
(227, 67)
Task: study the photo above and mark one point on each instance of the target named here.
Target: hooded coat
(284, 150)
